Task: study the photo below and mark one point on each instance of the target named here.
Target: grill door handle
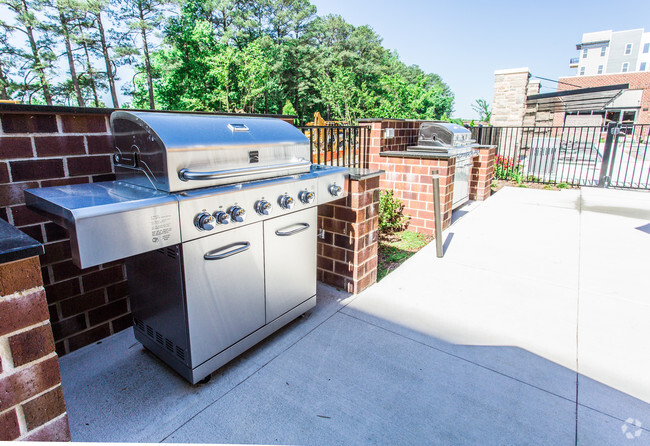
(302, 227)
(242, 246)
(187, 175)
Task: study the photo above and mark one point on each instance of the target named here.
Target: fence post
(436, 212)
(604, 179)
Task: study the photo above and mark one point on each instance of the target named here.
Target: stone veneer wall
(509, 103)
(43, 146)
(31, 399)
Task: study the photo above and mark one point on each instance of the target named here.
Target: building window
(603, 50)
(642, 66)
(582, 71)
(600, 69)
(584, 53)
(646, 48)
(625, 67)
(628, 49)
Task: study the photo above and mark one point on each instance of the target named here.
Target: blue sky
(465, 42)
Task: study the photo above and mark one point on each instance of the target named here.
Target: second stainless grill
(450, 140)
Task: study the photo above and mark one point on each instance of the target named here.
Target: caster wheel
(205, 380)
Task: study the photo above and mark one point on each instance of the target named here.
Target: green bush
(563, 185)
(391, 213)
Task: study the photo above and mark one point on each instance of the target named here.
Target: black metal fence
(338, 145)
(606, 156)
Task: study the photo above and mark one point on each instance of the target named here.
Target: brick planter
(31, 399)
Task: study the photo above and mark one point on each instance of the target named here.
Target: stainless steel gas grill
(216, 216)
(450, 140)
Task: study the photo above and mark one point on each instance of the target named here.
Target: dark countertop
(361, 174)
(423, 155)
(16, 245)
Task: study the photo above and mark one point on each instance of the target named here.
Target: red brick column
(347, 254)
(482, 173)
(31, 399)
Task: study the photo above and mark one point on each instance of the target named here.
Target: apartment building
(613, 52)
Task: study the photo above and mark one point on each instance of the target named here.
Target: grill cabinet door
(225, 295)
(290, 252)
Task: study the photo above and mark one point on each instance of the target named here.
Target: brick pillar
(482, 173)
(347, 255)
(31, 399)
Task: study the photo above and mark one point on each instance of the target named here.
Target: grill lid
(177, 151)
(443, 134)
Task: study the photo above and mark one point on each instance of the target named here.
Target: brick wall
(347, 255)
(410, 176)
(31, 399)
(53, 149)
(636, 81)
(480, 183)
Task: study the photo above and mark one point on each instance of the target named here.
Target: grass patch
(395, 248)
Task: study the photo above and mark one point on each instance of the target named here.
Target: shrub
(391, 213)
(563, 185)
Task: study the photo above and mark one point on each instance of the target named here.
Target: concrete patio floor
(533, 329)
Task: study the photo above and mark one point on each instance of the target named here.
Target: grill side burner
(449, 140)
(217, 217)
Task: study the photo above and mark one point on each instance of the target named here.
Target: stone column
(509, 104)
(347, 253)
(31, 399)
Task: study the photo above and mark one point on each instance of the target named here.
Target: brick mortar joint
(19, 369)
(22, 293)
(42, 426)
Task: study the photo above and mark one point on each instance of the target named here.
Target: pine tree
(65, 14)
(41, 59)
(142, 17)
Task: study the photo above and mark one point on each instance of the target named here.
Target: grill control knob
(286, 202)
(263, 207)
(335, 190)
(204, 221)
(306, 197)
(222, 217)
(237, 214)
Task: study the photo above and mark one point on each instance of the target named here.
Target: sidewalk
(479, 347)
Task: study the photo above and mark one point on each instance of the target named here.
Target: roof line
(578, 91)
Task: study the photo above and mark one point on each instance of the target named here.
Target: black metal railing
(339, 145)
(613, 155)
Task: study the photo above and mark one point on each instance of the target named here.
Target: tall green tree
(39, 60)
(64, 14)
(142, 17)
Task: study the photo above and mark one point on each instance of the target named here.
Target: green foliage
(398, 247)
(482, 107)
(391, 213)
(563, 185)
(505, 168)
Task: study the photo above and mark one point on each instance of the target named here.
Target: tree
(123, 47)
(39, 62)
(142, 17)
(7, 63)
(483, 109)
(66, 12)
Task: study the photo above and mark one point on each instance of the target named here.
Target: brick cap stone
(513, 70)
(363, 174)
